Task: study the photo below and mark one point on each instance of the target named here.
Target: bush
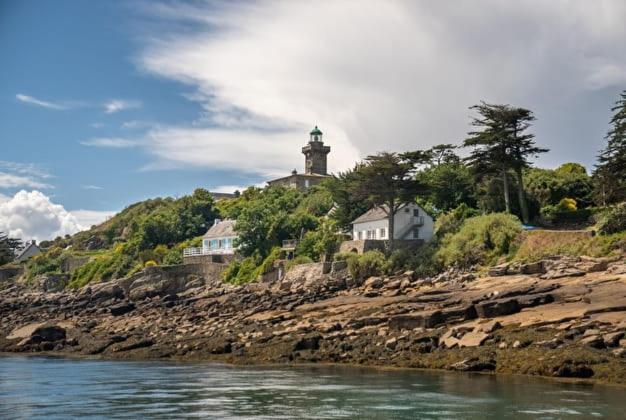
(481, 240)
(612, 220)
(567, 204)
(556, 215)
(150, 263)
(539, 244)
(420, 259)
(371, 263)
(451, 222)
(300, 259)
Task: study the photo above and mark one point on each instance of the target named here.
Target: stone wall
(208, 259)
(10, 272)
(73, 263)
(364, 245)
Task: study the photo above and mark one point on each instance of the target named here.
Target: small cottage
(220, 238)
(412, 226)
(30, 250)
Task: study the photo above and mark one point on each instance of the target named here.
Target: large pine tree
(610, 174)
(501, 144)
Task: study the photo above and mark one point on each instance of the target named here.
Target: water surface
(52, 388)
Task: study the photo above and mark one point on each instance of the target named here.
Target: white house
(410, 222)
(30, 250)
(220, 238)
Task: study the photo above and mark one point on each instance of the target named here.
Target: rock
(391, 343)
(392, 285)
(134, 345)
(594, 341)
(106, 291)
(499, 270)
(499, 307)
(613, 339)
(488, 327)
(532, 268)
(572, 370)
(621, 352)
(474, 365)
(373, 283)
(122, 308)
(49, 333)
(308, 343)
(563, 272)
(503, 345)
(473, 339)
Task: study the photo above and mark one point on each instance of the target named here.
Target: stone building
(315, 164)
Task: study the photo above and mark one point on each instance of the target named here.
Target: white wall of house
(223, 245)
(404, 228)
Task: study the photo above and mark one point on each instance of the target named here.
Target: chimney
(216, 221)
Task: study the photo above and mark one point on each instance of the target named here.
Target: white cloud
(382, 75)
(92, 187)
(39, 102)
(232, 188)
(88, 218)
(31, 215)
(17, 181)
(117, 105)
(113, 142)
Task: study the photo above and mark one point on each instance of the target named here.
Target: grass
(540, 244)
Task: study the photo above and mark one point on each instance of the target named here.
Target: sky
(106, 103)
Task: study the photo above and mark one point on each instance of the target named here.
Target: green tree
(500, 144)
(385, 180)
(610, 174)
(9, 247)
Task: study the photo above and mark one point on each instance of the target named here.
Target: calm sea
(52, 388)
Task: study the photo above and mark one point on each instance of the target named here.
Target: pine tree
(610, 174)
(501, 145)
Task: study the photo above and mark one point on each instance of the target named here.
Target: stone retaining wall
(363, 245)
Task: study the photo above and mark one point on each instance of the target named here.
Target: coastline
(568, 327)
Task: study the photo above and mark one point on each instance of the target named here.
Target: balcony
(191, 252)
(417, 221)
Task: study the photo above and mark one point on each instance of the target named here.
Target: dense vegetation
(479, 203)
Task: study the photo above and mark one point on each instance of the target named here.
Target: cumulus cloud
(31, 215)
(117, 105)
(39, 102)
(382, 75)
(88, 218)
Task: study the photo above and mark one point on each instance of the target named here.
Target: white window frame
(383, 233)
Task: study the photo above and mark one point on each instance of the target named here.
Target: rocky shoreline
(562, 317)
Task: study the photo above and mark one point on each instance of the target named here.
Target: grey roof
(375, 213)
(26, 249)
(222, 229)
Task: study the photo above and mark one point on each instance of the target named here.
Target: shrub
(555, 214)
(481, 240)
(150, 263)
(300, 259)
(371, 263)
(612, 220)
(567, 204)
(420, 259)
(451, 222)
(540, 244)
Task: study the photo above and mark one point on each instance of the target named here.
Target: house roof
(377, 213)
(26, 249)
(221, 229)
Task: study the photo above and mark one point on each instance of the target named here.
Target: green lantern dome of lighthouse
(316, 132)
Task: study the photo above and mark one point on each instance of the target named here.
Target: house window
(416, 233)
(406, 210)
(360, 235)
(306, 183)
(383, 233)
(416, 212)
(213, 244)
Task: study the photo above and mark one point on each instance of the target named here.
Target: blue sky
(79, 56)
(105, 103)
